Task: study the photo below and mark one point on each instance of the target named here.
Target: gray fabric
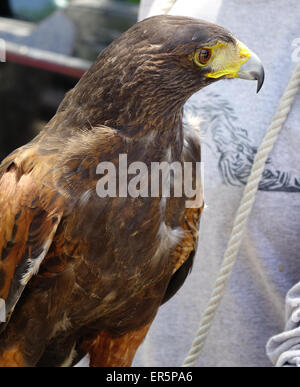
(144, 8)
(284, 348)
(233, 119)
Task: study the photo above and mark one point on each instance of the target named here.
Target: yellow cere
(226, 59)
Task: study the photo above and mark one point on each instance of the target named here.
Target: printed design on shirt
(215, 117)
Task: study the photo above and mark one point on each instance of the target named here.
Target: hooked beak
(252, 69)
(242, 63)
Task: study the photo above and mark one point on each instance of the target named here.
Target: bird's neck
(136, 108)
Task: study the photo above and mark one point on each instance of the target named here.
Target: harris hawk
(81, 273)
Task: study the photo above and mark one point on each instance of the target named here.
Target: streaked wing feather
(27, 228)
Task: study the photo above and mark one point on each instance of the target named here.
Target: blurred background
(49, 45)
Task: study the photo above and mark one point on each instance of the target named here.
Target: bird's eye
(204, 55)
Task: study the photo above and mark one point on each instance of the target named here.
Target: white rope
(242, 215)
(161, 7)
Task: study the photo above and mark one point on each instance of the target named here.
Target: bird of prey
(80, 273)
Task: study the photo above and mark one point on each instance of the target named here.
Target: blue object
(35, 10)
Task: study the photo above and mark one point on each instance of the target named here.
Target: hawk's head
(196, 50)
(155, 66)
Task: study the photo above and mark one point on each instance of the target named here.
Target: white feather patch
(168, 239)
(35, 262)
